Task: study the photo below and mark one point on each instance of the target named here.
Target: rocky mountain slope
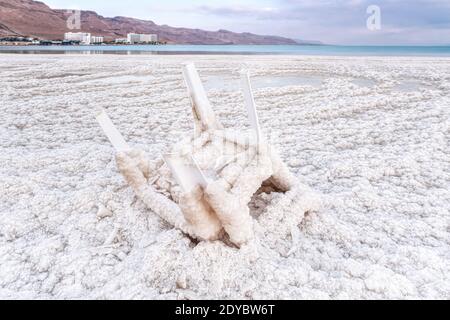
(33, 18)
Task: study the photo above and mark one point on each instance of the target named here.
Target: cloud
(239, 11)
(338, 21)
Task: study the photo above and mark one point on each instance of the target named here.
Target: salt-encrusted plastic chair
(204, 185)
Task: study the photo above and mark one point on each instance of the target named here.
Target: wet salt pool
(411, 86)
(228, 83)
(368, 83)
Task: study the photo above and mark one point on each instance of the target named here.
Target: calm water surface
(443, 51)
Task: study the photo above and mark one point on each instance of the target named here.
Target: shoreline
(234, 50)
(218, 55)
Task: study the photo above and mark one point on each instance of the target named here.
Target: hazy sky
(330, 21)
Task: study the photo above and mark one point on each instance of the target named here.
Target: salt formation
(205, 184)
(71, 227)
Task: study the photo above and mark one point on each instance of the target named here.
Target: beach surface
(371, 135)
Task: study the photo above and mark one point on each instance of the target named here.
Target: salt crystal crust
(206, 211)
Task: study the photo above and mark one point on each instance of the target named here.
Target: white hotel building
(84, 38)
(141, 38)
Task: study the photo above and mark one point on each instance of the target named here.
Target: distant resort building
(121, 40)
(83, 38)
(96, 39)
(133, 38)
(87, 39)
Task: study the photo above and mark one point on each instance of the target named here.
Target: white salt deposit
(70, 227)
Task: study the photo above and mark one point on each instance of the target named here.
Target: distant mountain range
(36, 19)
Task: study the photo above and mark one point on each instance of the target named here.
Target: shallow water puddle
(411, 86)
(221, 83)
(232, 84)
(367, 83)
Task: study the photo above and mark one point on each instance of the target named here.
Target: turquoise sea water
(238, 49)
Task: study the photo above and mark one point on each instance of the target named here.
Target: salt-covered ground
(371, 135)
